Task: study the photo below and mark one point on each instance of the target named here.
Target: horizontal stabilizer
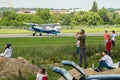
(30, 24)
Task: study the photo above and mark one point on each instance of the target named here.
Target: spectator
(77, 35)
(10, 47)
(82, 39)
(78, 46)
(7, 53)
(106, 61)
(113, 38)
(41, 75)
(108, 47)
(106, 36)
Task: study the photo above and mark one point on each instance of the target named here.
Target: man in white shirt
(106, 61)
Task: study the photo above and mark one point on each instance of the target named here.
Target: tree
(112, 17)
(65, 19)
(9, 15)
(43, 14)
(94, 7)
(104, 15)
(54, 18)
(46, 15)
(117, 19)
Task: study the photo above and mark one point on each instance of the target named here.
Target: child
(78, 42)
(41, 75)
(78, 46)
(77, 34)
(108, 46)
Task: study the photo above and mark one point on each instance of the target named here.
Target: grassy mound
(17, 69)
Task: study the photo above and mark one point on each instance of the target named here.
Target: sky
(85, 4)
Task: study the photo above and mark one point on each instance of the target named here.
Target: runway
(48, 35)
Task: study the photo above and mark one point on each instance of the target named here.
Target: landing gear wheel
(33, 34)
(40, 34)
(55, 34)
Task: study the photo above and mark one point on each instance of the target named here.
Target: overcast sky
(86, 4)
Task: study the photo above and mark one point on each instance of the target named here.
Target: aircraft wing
(31, 24)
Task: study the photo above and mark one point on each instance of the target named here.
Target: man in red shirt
(106, 36)
(108, 46)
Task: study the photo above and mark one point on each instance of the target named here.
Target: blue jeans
(103, 64)
(78, 50)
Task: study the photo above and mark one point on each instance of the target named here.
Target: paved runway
(46, 35)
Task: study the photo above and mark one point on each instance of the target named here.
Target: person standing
(78, 46)
(77, 35)
(82, 39)
(108, 46)
(106, 36)
(113, 38)
(78, 42)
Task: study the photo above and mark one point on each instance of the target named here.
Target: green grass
(14, 31)
(22, 31)
(90, 30)
(50, 50)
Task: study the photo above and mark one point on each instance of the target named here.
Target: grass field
(14, 31)
(90, 30)
(22, 31)
(50, 50)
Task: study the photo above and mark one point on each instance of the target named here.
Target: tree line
(94, 16)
